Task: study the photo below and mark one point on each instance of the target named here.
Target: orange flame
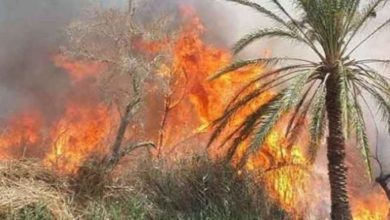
(374, 207)
(199, 60)
(79, 134)
(23, 131)
(78, 69)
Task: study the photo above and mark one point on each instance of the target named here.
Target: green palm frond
(238, 103)
(246, 128)
(290, 98)
(266, 123)
(297, 123)
(370, 61)
(382, 101)
(377, 80)
(273, 82)
(317, 122)
(328, 28)
(266, 33)
(363, 18)
(346, 105)
(360, 128)
(298, 110)
(262, 11)
(261, 61)
(351, 16)
(369, 36)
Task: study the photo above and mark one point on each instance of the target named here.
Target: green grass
(199, 189)
(31, 212)
(117, 209)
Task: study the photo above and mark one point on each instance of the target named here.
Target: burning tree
(330, 91)
(114, 38)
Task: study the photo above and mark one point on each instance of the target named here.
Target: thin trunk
(116, 147)
(337, 169)
(162, 126)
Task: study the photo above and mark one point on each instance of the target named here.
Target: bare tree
(110, 36)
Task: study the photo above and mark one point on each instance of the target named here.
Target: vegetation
(200, 189)
(331, 89)
(197, 189)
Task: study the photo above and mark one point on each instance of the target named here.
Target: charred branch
(111, 164)
(383, 181)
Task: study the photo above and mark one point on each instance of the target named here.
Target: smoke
(30, 34)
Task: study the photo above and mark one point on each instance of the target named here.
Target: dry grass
(30, 191)
(196, 189)
(27, 184)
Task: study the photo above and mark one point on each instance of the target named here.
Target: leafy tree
(331, 90)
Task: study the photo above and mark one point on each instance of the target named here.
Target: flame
(281, 167)
(199, 60)
(78, 70)
(22, 132)
(79, 134)
(374, 207)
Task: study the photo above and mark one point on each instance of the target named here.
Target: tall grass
(200, 189)
(192, 189)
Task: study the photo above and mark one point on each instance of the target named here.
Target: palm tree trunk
(337, 169)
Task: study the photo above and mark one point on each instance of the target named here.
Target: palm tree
(329, 90)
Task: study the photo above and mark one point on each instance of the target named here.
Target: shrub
(200, 189)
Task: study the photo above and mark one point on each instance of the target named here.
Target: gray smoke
(30, 34)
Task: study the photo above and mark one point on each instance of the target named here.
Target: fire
(78, 69)
(374, 207)
(208, 98)
(22, 132)
(281, 167)
(79, 134)
(85, 127)
(199, 60)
